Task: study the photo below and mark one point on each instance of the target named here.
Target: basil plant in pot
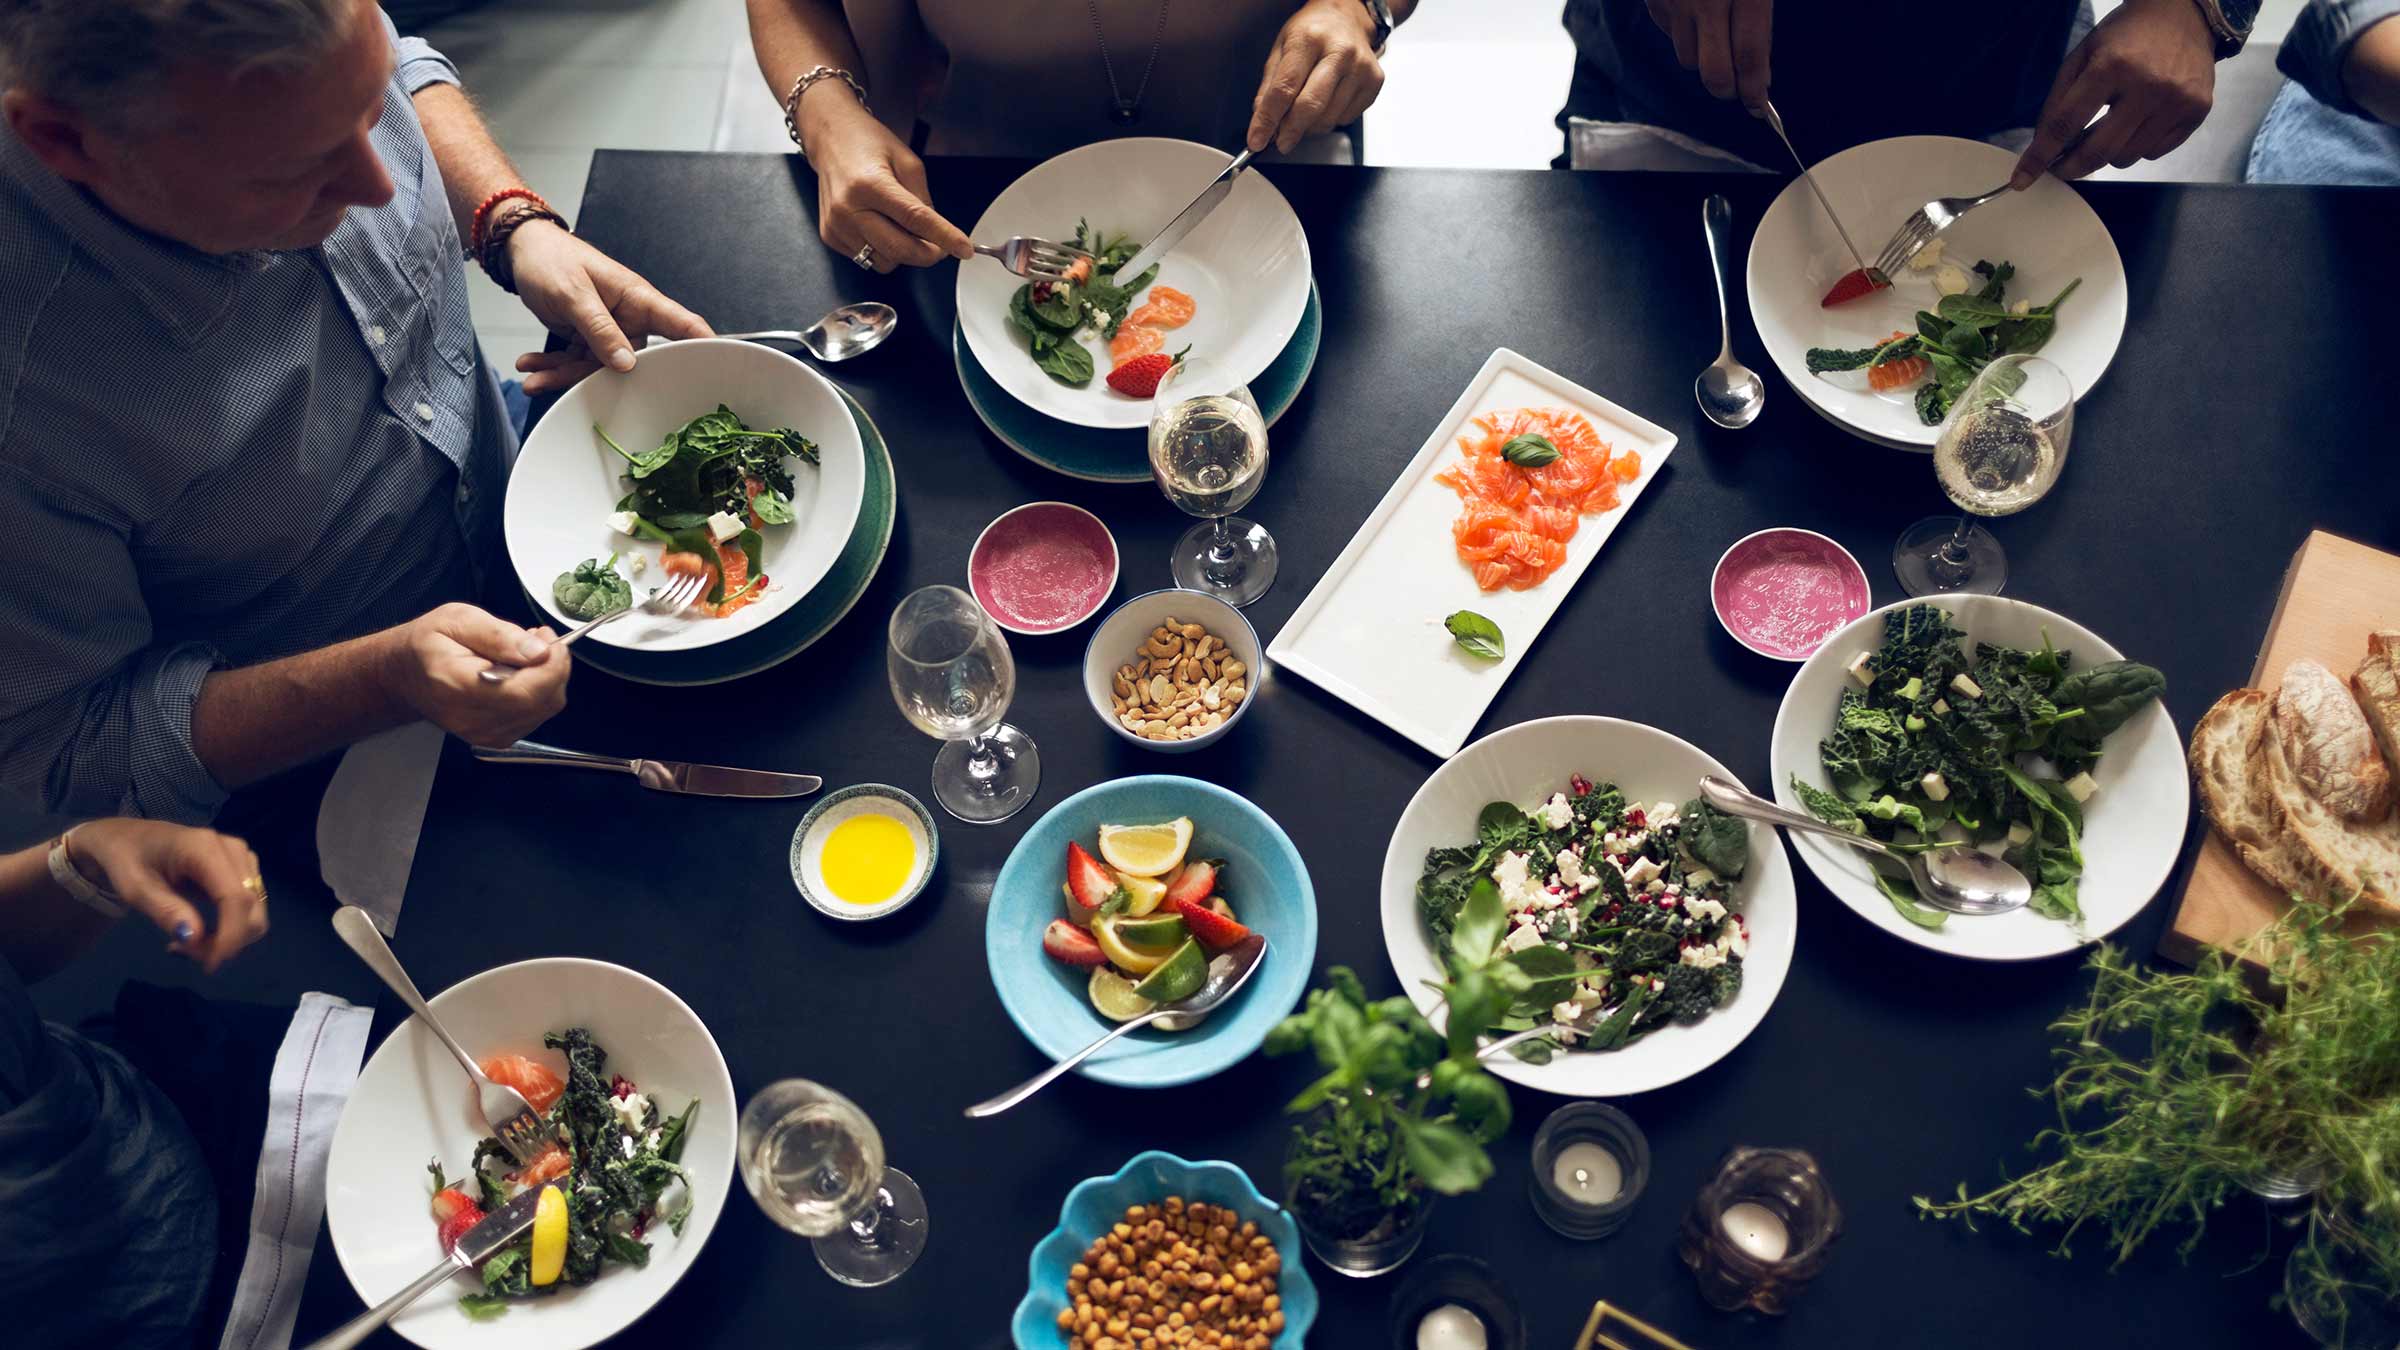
(1401, 1113)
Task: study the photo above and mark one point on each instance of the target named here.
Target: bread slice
(2343, 857)
(2240, 801)
(2327, 745)
(2377, 685)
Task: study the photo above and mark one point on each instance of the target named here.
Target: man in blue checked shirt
(251, 459)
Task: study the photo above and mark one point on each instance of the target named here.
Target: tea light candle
(1450, 1327)
(1588, 1173)
(1757, 1230)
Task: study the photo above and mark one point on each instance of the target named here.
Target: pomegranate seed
(619, 1086)
(1579, 784)
(1636, 819)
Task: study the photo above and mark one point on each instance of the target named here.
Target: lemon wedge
(1113, 995)
(1145, 892)
(549, 1236)
(1146, 850)
(1127, 957)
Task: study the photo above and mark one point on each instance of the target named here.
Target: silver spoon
(846, 331)
(1961, 880)
(1228, 971)
(1730, 393)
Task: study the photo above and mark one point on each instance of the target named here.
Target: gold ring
(256, 885)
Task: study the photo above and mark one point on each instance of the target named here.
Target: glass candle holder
(1590, 1164)
(1760, 1229)
(1454, 1302)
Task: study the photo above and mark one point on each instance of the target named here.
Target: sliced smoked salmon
(535, 1079)
(1134, 340)
(1165, 307)
(1515, 519)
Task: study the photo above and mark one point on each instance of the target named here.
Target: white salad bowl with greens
(1525, 765)
(567, 483)
(1246, 267)
(412, 1105)
(2132, 816)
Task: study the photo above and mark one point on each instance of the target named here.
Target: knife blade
(496, 1230)
(715, 780)
(1188, 219)
(1774, 120)
(479, 1244)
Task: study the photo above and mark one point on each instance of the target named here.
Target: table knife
(1184, 223)
(1775, 121)
(475, 1246)
(662, 775)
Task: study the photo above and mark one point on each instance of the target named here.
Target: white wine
(816, 1166)
(1996, 461)
(1209, 454)
(955, 679)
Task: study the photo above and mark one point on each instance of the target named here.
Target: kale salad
(1051, 316)
(1620, 919)
(613, 1156)
(1936, 744)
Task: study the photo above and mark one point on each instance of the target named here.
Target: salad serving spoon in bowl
(1228, 971)
(1960, 880)
(1729, 392)
(846, 331)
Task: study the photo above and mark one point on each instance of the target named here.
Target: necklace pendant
(1124, 112)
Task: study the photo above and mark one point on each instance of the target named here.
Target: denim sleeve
(415, 63)
(2320, 41)
(95, 714)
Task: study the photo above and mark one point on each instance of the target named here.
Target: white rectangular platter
(1371, 631)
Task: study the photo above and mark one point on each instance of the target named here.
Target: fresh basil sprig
(1529, 451)
(1476, 633)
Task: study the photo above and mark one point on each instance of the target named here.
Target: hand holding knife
(1187, 219)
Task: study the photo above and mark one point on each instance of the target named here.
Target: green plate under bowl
(1122, 454)
(802, 624)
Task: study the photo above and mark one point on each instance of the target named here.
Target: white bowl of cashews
(1173, 670)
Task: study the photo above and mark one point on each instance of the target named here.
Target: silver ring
(865, 257)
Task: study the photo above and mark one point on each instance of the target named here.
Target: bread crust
(2327, 745)
(2376, 683)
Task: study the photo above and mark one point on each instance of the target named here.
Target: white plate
(566, 483)
(1526, 763)
(1245, 267)
(2132, 830)
(1371, 631)
(2047, 231)
(411, 1105)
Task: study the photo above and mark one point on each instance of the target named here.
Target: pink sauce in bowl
(1043, 568)
(1782, 592)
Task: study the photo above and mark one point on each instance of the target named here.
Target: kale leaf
(1720, 842)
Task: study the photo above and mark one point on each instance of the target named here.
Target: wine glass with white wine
(2000, 450)
(814, 1163)
(1208, 450)
(952, 676)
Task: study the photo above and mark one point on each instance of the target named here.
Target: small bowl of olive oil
(864, 852)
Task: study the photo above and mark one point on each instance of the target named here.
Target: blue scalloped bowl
(1101, 1201)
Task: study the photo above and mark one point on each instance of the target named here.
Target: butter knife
(1189, 219)
(1775, 120)
(475, 1246)
(662, 775)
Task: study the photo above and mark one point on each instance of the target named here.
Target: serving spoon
(1960, 880)
(1729, 392)
(1228, 971)
(845, 331)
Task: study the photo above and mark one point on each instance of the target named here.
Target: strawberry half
(1089, 883)
(1853, 284)
(1072, 945)
(1139, 377)
(1214, 930)
(1195, 883)
(455, 1214)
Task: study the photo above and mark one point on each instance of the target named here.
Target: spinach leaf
(1529, 451)
(1720, 842)
(1068, 363)
(1058, 308)
(482, 1307)
(1480, 922)
(772, 507)
(1479, 635)
(672, 1134)
(592, 588)
(2109, 695)
(646, 463)
(1995, 278)
(1974, 311)
(1903, 896)
(1039, 335)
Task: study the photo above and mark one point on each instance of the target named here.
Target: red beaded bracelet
(483, 214)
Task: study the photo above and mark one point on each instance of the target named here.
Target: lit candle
(1757, 1230)
(1450, 1327)
(1588, 1173)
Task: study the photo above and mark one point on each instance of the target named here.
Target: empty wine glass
(1208, 450)
(952, 677)
(814, 1163)
(2001, 448)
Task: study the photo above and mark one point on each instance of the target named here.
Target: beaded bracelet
(494, 255)
(475, 228)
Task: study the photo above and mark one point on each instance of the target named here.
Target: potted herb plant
(1401, 1113)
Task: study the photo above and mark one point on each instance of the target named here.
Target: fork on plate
(511, 1118)
(1929, 220)
(666, 602)
(1035, 259)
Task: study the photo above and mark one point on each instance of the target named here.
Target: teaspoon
(846, 331)
(1729, 392)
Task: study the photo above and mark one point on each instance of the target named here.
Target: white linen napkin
(314, 1071)
(373, 810)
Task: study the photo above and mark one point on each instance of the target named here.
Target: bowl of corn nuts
(1173, 670)
(1167, 1253)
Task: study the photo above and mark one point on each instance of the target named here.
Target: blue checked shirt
(210, 461)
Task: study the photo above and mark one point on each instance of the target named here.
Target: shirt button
(424, 412)
(375, 334)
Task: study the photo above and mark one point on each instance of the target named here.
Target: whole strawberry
(1139, 377)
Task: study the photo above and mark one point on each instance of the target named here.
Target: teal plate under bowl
(1097, 1204)
(1265, 882)
(797, 627)
(1122, 454)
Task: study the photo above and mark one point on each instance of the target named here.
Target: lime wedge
(1179, 976)
(1161, 932)
(1114, 996)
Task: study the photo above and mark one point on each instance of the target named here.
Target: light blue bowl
(1265, 882)
(1101, 1201)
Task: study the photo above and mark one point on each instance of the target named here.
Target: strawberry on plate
(454, 1214)
(1072, 945)
(1196, 882)
(1215, 931)
(1139, 377)
(1854, 284)
(1089, 882)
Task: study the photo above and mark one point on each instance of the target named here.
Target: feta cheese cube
(2020, 306)
(2082, 786)
(623, 522)
(1992, 847)
(1704, 909)
(2018, 834)
(1698, 877)
(722, 527)
(1518, 889)
(1642, 871)
(1964, 687)
(1736, 941)
(1565, 1012)
(630, 1109)
(1861, 668)
(1522, 937)
(1654, 886)
(1951, 832)
(1927, 257)
(636, 564)
(1951, 279)
(1936, 787)
(1703, 955)
(1663, 813)
(1941, 706)
(1556, 813)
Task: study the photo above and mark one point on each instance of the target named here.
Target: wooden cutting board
(2336, 592)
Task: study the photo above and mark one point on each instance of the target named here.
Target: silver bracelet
(71, 879)
(791, 101)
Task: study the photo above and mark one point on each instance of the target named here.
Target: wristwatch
(71, 879)
(1381, 12)
(2229, 22)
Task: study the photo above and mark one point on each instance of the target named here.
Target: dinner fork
(1929, 220)
(666, 602)
(506, 1113)
(1036, 259)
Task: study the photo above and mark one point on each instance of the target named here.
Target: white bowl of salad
(644, 1123)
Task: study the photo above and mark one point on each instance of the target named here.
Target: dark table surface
(2243, 409)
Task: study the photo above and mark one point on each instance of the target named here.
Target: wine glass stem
(1954, 552)
(866, 1227)
(1223, 559)
(983, 765)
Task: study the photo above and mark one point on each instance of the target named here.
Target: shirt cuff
(168, 781)
(417, 64)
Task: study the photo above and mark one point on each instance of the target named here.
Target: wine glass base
(1240, 576)
(898, 1237)
(1927, 565)
(983, 798)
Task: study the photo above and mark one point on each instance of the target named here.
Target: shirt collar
(188, 291)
